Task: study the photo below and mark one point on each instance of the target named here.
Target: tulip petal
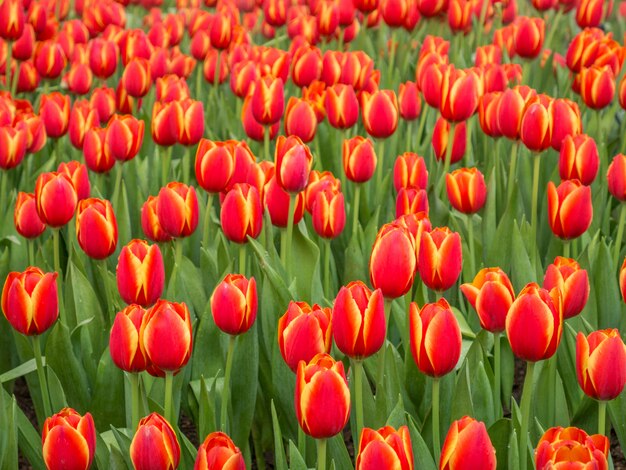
(65, 449)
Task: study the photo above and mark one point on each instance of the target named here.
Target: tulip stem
(184, 177)
(301, 442)
(380, 168)
(555, 23)
(165, 165)
(178, 256)
(392, 57)
(134, 391)
(620, 233)
(327, 251)
(470, 244)
(512, 167)
(409, 136)
(226, 387)
(321, 454)
(358, 397)
(602, 418)
(380, 383)
(118, 184)
(207, 221)
(446, 164)
(292, 213)
(422, 126)
(102, 264)
(498, 374)
(43, 384)
(216, 76)
(7, 81)
(526, 397)
(31, 251)
(266, 143)
(4, 180)
(355, 209)
(55, 248)
(242, 259)
(436, 438)
(169, 380)
(534, 200)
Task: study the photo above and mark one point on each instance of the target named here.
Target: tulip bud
(12, 146)
(411, 201)
(136, 79)
(578, 159)
(30, 300)
(12, 20)
(409, 102)
(242, 213)
(218, 452)
(435, 338)
(103, 100)
(534, 324)
(25, 218)
(359, 159)
(306, 65)
(459, 95)
(467, 441)
(536, 127)
(82, 118)
(511, 109)
(103, 57)
(268, 100)
(150, 223)
(589, 13)
(597, 86)
(571, 448)
(277, 201)
(192, 123)
(342, 106)
(572, 283)
(124, 137)
(154, 445)
(616, 177)
(293, 163)
(79, 78)
(358, 320)
(467, 191)
(167, 337)
(234, 304)
(565, 116)
(69, 440)
(124, 341)
(300, 119)
(329, 213)
(569, 209)
(140, 273)
(177, 209)
(385, 448)
(491, 295)
(380, 113)
(96, 227)
(55, 113)
(529, 36)
(252, 127)
(392, 262)
(304, 332)
(56, 198)
(321, 385)
(96, 158)
(410, 172)
(440, 258)
(49, 59)
(78, 174)
(441, 139)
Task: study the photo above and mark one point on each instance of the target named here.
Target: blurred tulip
(192, 124)
(218, 452)
(321, 385)
(529, 36)
(569, 209)
(571, 448)
(69, 440)
(304, 332)
(12, 19)
(293, 163)
(103, 100)
(234, 304)
(441, 139)
(411, 201)
(565, 117)
(56, 198)
(467, 191)
(154, 445)
(140, 273)
(601, 364)
(431, 8)
(215, 164)
(25, 218)
(82, 118)
(30, 300)
(460, 15)
(380, 113)
(12, 146)
(96, 158)
(536, 127)
(597, 86)
(306, 65)
(385, 448)
(534, 324)
(124, 137)
(252, 127)
(277, 201)
(103, 57)
(467, 441)
(409, 101)
(589, 13)
(392, 262)
(435, 338)
(242, 213)
(124, 340)
(579, 159)
(55, 113)
(300, 119)
(566, 276)
(491, 295)
(78, 79)
(177, 209)
(49, 59)
(342, 106)
(511, 109)
(440, 258)
(35, 131)
(96, 227)
(616, 177)
(358, 320)
(268, 100)
(329, 213)
(359, 159)
(150, 223)
(78, 174)
(136, 79)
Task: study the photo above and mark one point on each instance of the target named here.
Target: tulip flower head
(601, 364)
(56, 198)
(392, 262)
(25, 217)
(69, 440)
(570, 209)
(155, 445)
(572, 283)
(440, 258)
(96, 228)
(218, 452)
(467, 441)
(571, 448)
(385, 448)
(234, 304)
(140, 273)
(125, 342)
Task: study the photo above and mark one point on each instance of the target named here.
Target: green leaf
(337, 451)
(207, 354)
(296, 462)
(123, 441)
(21, 370)
(108, 394)
(513, 457)
(499, 433)
(306, 260)
(279, 450)
(462, 403)
(8, 436)
(604, 283)
(422, 458)
(522, 271)
(397, 416)
(57, 395)
(617, 411)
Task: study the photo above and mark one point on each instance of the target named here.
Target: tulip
(13, 142)
(459, 95)
(56, 198)
(55, 113)
(300, 119)
(385, 448)
(565, 119)
(342, 106)
(572, 283)
(69, 440)
(589, 13)
(411, 201)
(578, 159)
(177, 209)
(78, 174)
(380, 113)
(329, 213)
(234, 304)
(25, 218)
(167, 123)
(12, 20)
(268, 101)
(511, 109)
(441, 139)
(78, 79)
(359, 159)
(35, 131)
(529, 36)
(218, 452)
(150, 223)
(96, 157)
(277, 201)
(155, 445)
(215, 164)
(321, 385)
(622, 280)
(140, 273)
(597, 86)
(252, 127)
(616, 176)
(96, 227)
(536, 127)
(124, 137)
(306, 66)
(440, 258)
(392, 262)
(136, 79)
(103, 100)
(569, 209)
(467, 441)
(125, 344)
(467, 191)
(303, 332)
(410, 172)
(430, 8)
(49, 59)
(82, 118)
(571, 448)
(192, 123)
(103, 57)
(242, 213)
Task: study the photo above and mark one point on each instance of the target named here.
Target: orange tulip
(124, 340)
(69, 440)
(601, 364)
(467, 441)
(359, 159)
(56, 198)
(155, 445)
(268, 100)
(300, 119)
(293, 163)
(597, 86)
(218, 452)
(25, 218)
(177, 209)
(385, 448)
(342, 106)
(440, 258)
(572, 283)
(242, 213)
(392, 262)
(380, 113)
(467, 190)
(529, 36)
(55, 113)
(96, 227)
(569, 209)
(566, 447)
(140, 273)
(579, 159)
(441, 140)
(234, 304)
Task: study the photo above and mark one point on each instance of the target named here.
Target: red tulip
(25, 218)
(411, 201)
(304, 332)
(56, 198)
(55, 113)
(571, 448)
(380, 113)
(234, 304)
(566, 276)
(293, 163)
(150, 223)
(534, 324)
(177, 209)
(491, 295)
(78, 174)
(467, 190)
(440, 258)
(342, 106)
(218, 452)
(103, 57)
(78, 79)
(136, 79)
(125, 342)
(601, 364)
(306, 65)
(529, 36)
(300, 119)
(69, 440)
(96, 227)
(50, 59)
(565, 121)
(242, 213)
(103, 100)
(329, 213)
(252, 127)
(441, 140)
(359, 159)
(96, 157)
(124, 137)
(268, 100)
(536, 127)
(459, 94)
(277, 201)
(435, 338)
(155, 445)
(13, 142)
(616, 177)
(597, 86)
(82, 118)
(215, 164)
(589, 13)
(321, 385)
(578, 159)
(392, 262)
(12, 19)
(410, 172)
(511, 109)
(467, 441)
(409, 102)
(192, 124)
(569, 209)
(385, 448)
(140, 273)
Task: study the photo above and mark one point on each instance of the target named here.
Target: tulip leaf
(103, 455)
(604, 283)
(279, 449)
(57, 396)
(522, 271)
(489, 223)
(422, 457)
(338, 452)
(462, 404)
(8, 434)
(566, 365)
(188, 452)
(19, 371)
(513, 454)
(397, 417)
(586, 415)
(207, 353)
(108, 394)
(283, 295)
(305, 256)
(482, 395)
(616, 412)
(499, 433)
(123, 441)
(207, 422)
(499, 253)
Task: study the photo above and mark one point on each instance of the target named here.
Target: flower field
(331, 234)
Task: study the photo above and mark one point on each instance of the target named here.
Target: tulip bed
(370, 234)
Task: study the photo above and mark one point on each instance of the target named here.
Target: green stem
(118, 183)
(551, 389)
(436, 438)
(327, 251)
(392, 57)
(510, 184)
(381, 365)
(321, 454)
(526, 399)
(566, 248)
(242, 259)
(358, 398)
(602, 418)
(409, 136)
(55, 248)
(199, 83)
(226, 388)
(31, 252)
(498, 374)
(178, 256)
(216, 76)
(169, 381)
(470, 235)
(534, 200)
(292, 213)
(446, 164)
(266, 143)
(355, 209)
(422, 126)
(620, 233)
(102, 265)
(165, 165)
(43, 384)
(7, 82)
(207, 221)
(380, 168)
(134, 391)
(184, 177)
(301, 442)
(4, 182)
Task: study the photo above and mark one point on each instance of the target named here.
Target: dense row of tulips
(391, 332)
